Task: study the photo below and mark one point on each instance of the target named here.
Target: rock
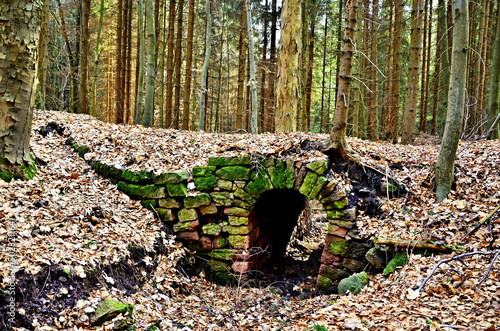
(353, 284)
(229, 161)
(399, 260)
(142, 191)
(169, 203)
(236, 211)
(188, 236)
(349, 249)
(222, 198)
(172, 177)
(137, 177)
(242, 267)
(318, 167)
(177, 190)
(337, 230)
(238, 220)
(201, 199)
(211, 229)
(108, 309)
(308, 183)
(204, 171)
(186, 226)
(280, 176)
(186, 215)
(226, 185)
(377, 257)
(205, 183)
(166, 214)
(233, 173)
(209, 210)
(232, 229)
(260, 183)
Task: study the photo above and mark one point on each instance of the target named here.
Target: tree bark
(151, 66)
(19, 35)
(84, 58)
(254, 124)
(243, 49)
(204, 72)
(288, 91)
(493, 103)
(188, 71)
(456, 99)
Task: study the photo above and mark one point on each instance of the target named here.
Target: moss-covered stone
(205, 183)
(229, 161)
(353, 284)
(108, 309)
(325, 284)
(242, 204)
(226, 185)
(187, 214)
(106, 170)
(242, 230)
(177, 190)
(280, 176)
(186, 226)
(149, 203)
(349, 249)
(222, 198)
(335, 273)
(171, 177)
(81, 150)
(399, 260)
(377, 257)
(338, 193)
(240, 193)
(342, 223)
(236, 211)
(137, 177)
(222, 254)
(317, 187)
(260, 183)
(220, 242)
(166, 214)
(201, 199)
(218, 266)
(204, 171)
(354, 265)
(169, 203)
(238, 241)
(211, 229)
(142, 191)
(209, 209)
(308, 183)
(25, 171)
(345, 214)
(233, 173)
(238, 220)
(340, 204)
(319, 167)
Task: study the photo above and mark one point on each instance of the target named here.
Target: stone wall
(211, 210)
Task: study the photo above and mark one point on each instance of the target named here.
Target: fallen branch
(482, 222)
(411, 244)
(457, 257)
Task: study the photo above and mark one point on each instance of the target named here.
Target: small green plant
(318, 327)
(90, 243)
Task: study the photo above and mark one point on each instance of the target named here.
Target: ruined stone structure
(238, 213)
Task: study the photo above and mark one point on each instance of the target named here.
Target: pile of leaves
(69, 219)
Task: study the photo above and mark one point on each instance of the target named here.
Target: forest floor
(79, 240)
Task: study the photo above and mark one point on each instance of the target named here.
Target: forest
(215, 65)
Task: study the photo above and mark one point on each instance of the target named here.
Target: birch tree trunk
(19, 34)
(456, 99)
(254, 125)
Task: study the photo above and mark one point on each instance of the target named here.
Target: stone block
(233, 173)
(220, 241)
(338, 193)
(280, 176)
(142, 191)
(377, 257)
(166, 214)
(260, 183)
(238, 241)
(186, 215)
(330, 260)
(149, 203)
(319, 167)
(224, 254)
(240, 193)
(186, 226)
(177, 190)
(320, 182)
(218, 266)
(327, 189)
(354, 265)
(169, 203)
(240, 184)
(299, 174)
(211, 229)
(229, 161)
(189, 236)
(353, 284)
(238, 220)
(236, 211)
(344, 224)
(241, 230)
(242, 204)
(345, 214)
(171, 177)
(137, 177)
(242, 267)
(222, 198)
(336, 230)
(204, 171)
(211, 209)
(333, 273)
(205, 183)
(348, 249)
(206, 243)
(226, 185)
(201, 199)
(308, 183)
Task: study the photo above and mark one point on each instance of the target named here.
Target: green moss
(186, 215)
(308, 183)
(353, 284)
(222, 254)
(209, 210)
(222, 198)
(201, 199)
(281, 177)
(334, 273)
(137, 177)
(6, 176)
(340, 204)
(242, 204)
(232, 229)
(218, 266)
(165, 214)
(238, 220)
(106, 170)
(399, 260)
(204, 171)
(347, 249)
(320, 182)
(238, 241)
(260, 183)
(240, 193)
(325, 284)
(169, 203)
(229, 161)
(172, 177)
(177, 190)
(142, 191)
(220, 242)
(149, 203)
(233, 173)
(205, 183)
(81, 150)
(318, 167)
(226, 185)
(211, 229)
(109, 308)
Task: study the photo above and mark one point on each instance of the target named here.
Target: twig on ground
(482, 222)
(411, 244)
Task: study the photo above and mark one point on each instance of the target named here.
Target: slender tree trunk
(323, 111)
(254, 122)
(21, 20)
(43, 50)
(456, 100)
(170, 64)
(97, 54)
(84, 59)
(141, 58)
(119, 95)
(178, 66)
(272, 68)
(204, 73)
(243, 50)
(414, 73)
(338, 144)
(442, 35)
(188, 70)
(372, 113)
(151, 66)
(265, 67)
(493, 103)
(288, 85)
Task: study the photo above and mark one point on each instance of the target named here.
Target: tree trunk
(43, 56)
(254, 124)
(169, 91)
(141, 57)
(178, 66)
(414, 73)
(288, 85)
(243, 49)
(151, 66)
(188, 71)
(444, 77)
(204, 72)
(338, 144)
(456, 99)
(97, 54)
(19, 35)
(84, 59)
(493, 103)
